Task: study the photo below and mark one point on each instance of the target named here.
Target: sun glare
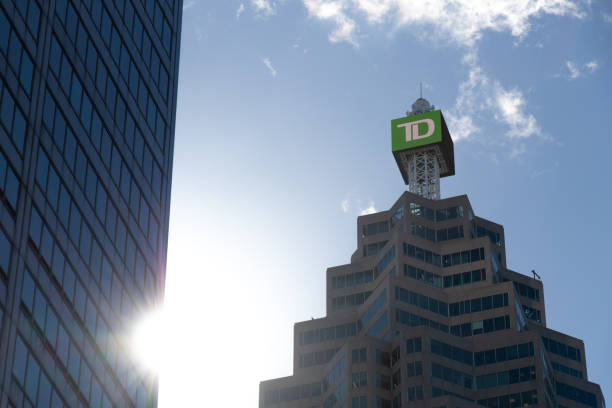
(149, 341)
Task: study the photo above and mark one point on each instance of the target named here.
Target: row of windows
(479, 231)
(440, 235)
(354, 299)
(89, 117)
(336, 372)
(397, 216)
(340, 331)
(30, 12)
(76, 294)
(91, 319)
(532, 314)
(360, 402)
(384, 262)
(70, 215)
(414, 369)
(481, 326)
(81, 234)
(159, 20)
(567, 370)
(478, 304)
(383, 381)
(436, 215)
(360, 379)
(576, 394)
(33, 380)
(439, 392)
(12, 118)
(449, 281)
(526, 291)
(465, 278)
(561, 349)
(373, 309)
(412, 320)
(335, 396)
(359, 355)
(352, 279)
(422, 301)
(486, 381)
(317, 357)
(516, 400)
(454, 259)
(78, 162)
(67, 351)
(378, 327)
(415, 393)
(414, 345)
(502, 378)
(289, 394)
(374, 228)
(453, 376)
(463, 257)
(451, 352)
(373, 248)
(502, 354)
(9, 183)
(18, 58)
(5, 253)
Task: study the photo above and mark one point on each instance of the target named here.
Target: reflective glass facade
(87, 114)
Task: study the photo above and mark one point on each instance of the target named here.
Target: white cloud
(481, 96)
(239, 11)
(459, 21)
(268, 64)
(371, 209)
(607, 18)
(333, 10)
(592, 65)
(345, 205)
(574, 72)
(264, 7)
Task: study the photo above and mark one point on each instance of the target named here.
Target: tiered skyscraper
(427, 314)
(87, 112)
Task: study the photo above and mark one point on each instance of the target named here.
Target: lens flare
(149, 341)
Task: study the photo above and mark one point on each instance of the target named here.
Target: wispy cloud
(345, 205)
(264, 7)
(607, 18)
(460, 21)
(239, 11)
(370, 209)
(268, 65)
(480, 96)
(574, 70)
(592, 65)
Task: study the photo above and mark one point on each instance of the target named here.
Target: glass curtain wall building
(427, 314)
(87, 114)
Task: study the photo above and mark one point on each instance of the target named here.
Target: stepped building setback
(87, 111)
(427, 314)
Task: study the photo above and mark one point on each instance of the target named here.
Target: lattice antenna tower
(423, 148)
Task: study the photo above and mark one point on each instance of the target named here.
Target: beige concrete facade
(428, 315)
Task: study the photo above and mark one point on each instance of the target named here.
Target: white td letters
(412, 129)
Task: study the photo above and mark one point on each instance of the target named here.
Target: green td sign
(415, 131)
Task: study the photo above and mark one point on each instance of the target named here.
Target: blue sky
(282, 140)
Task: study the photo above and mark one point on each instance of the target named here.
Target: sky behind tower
(283, 139)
